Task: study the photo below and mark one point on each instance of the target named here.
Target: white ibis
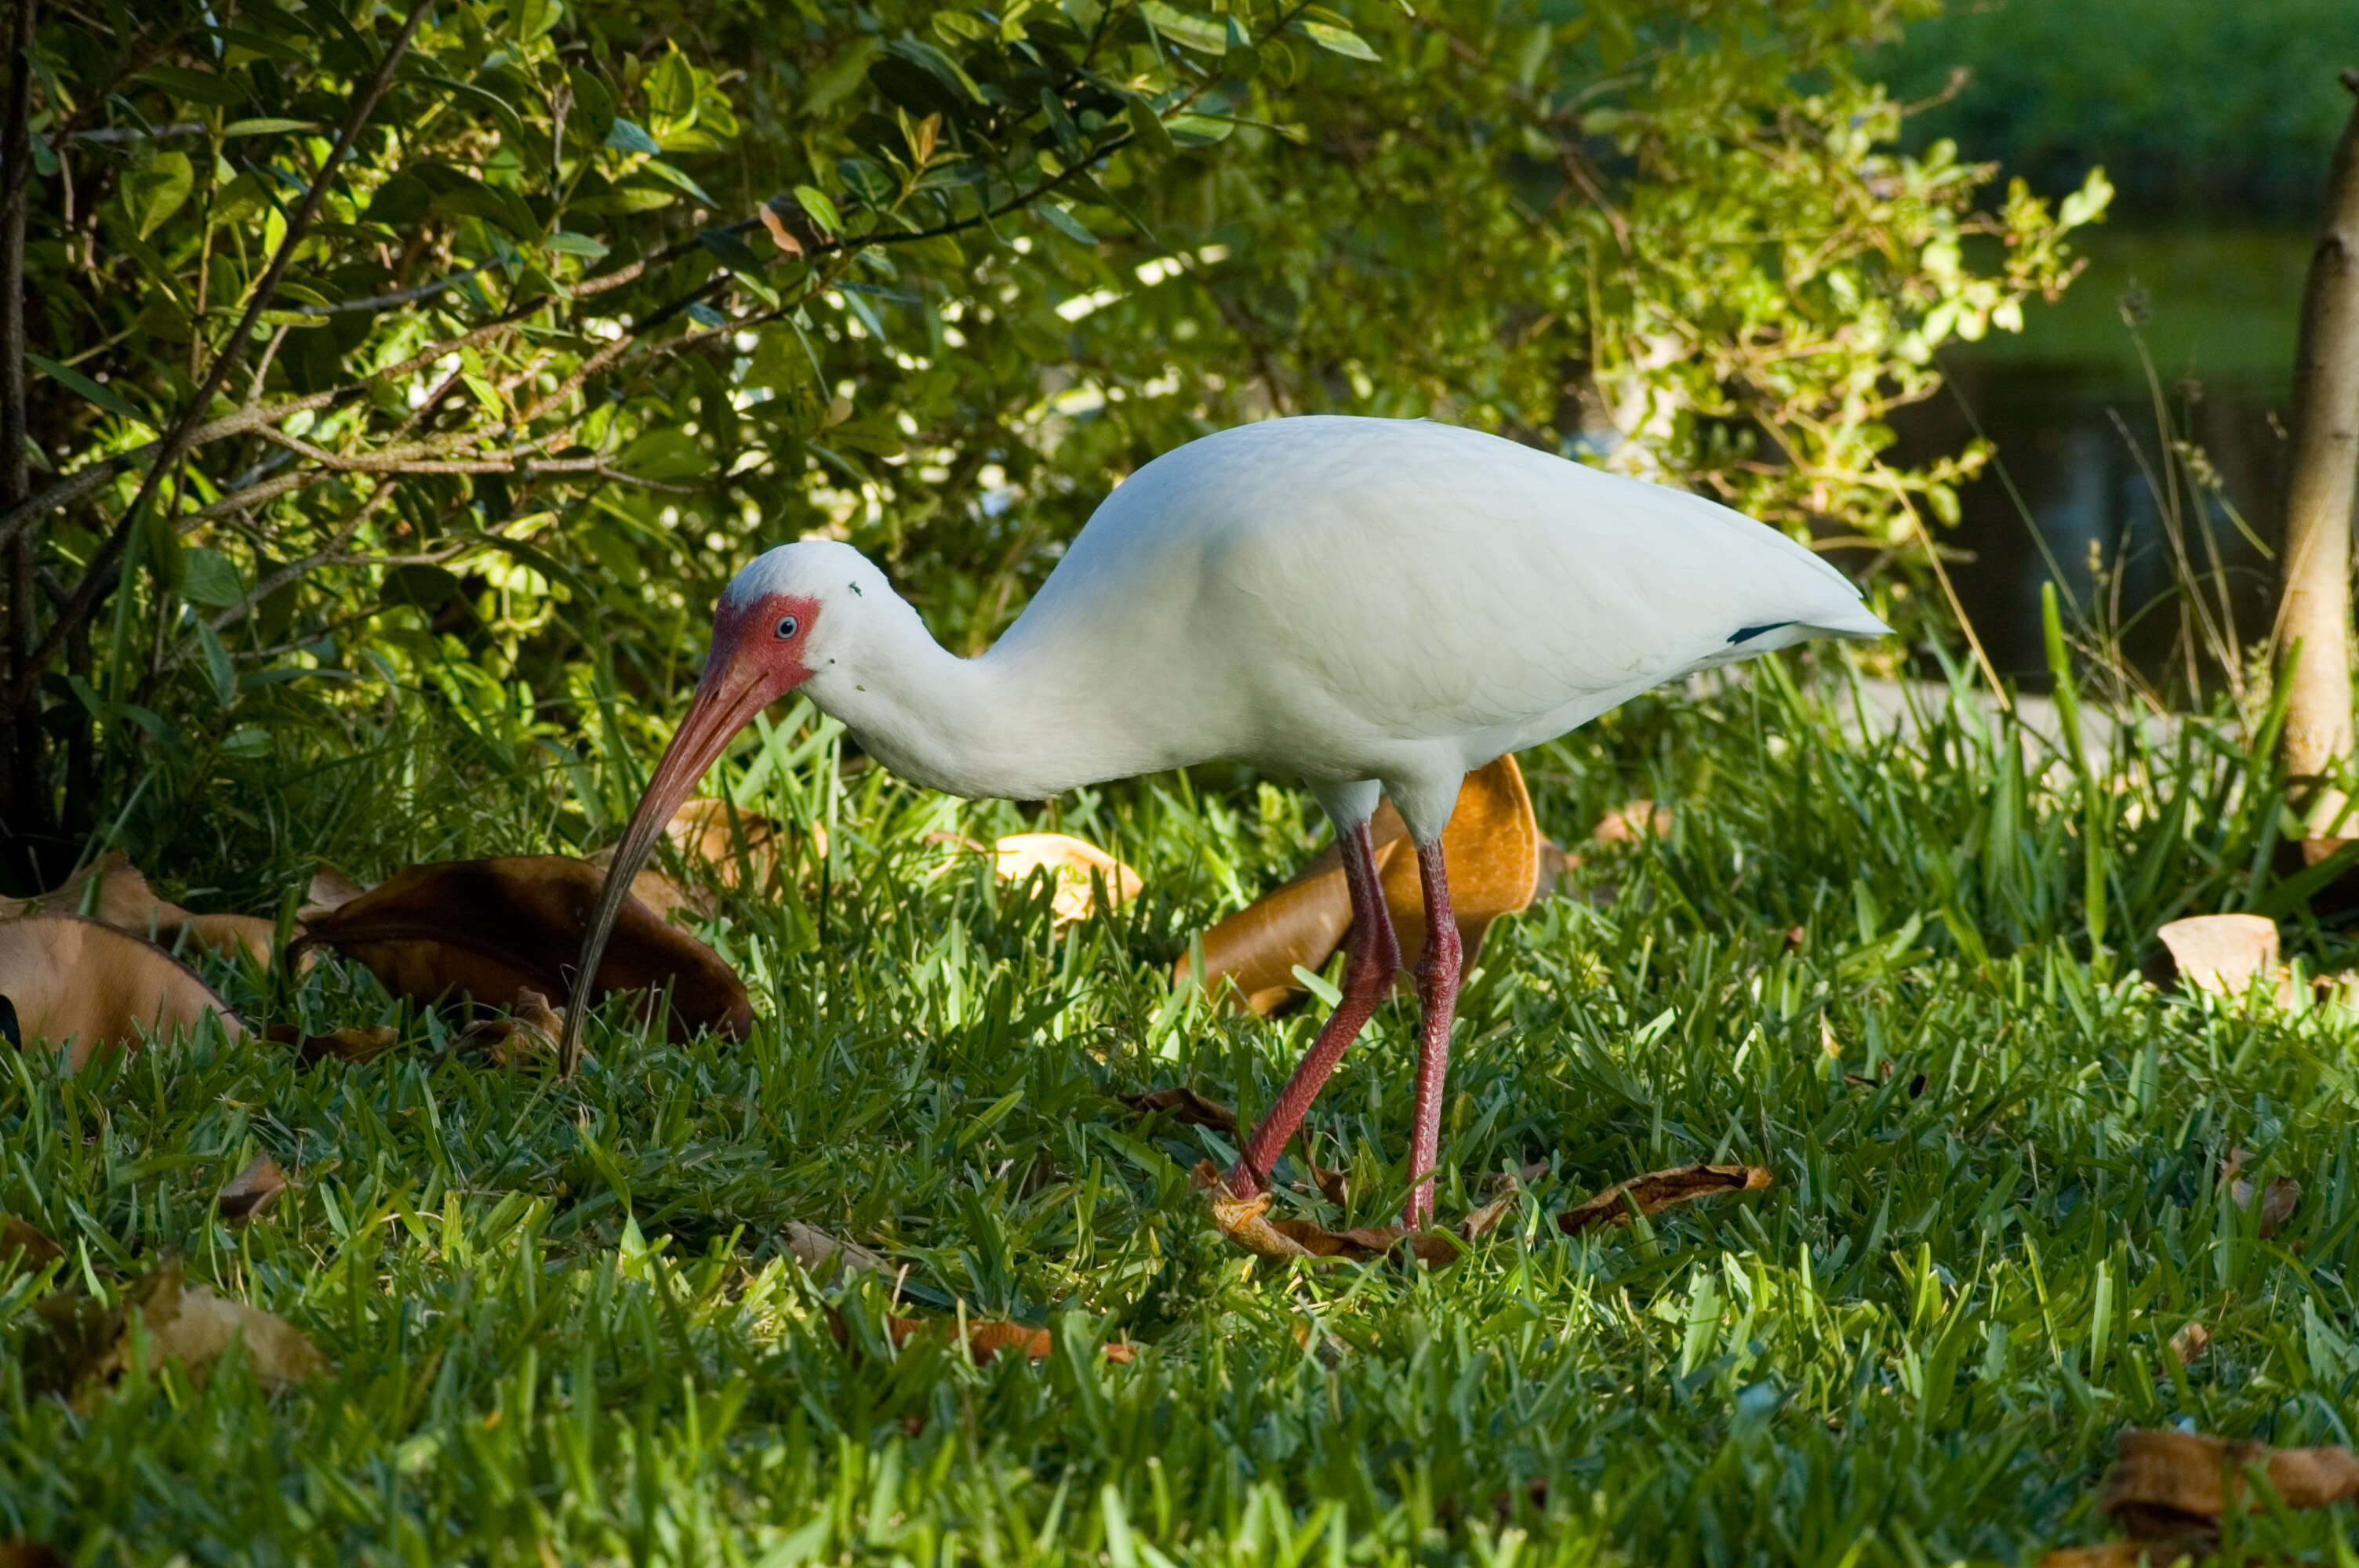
(1373, 606)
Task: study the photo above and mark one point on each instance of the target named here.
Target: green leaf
(1199, 33)
(571, 245)
(210, 576)
(1198, 130)
(822, 210)
(668, 452)
(535, 17)
(217, 665)
(1342, 40)
(629, 137)
(671, 86)
(592, 118)
(739, 258)
(671, 176)
(155, 189)
(266, 127)
(194, 86)
(1147, 126)
(93, 391)
(1064, 223)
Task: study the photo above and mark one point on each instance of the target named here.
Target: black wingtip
(1746, 634)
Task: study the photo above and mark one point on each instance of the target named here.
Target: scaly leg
(1372, 956)
(1438, 969)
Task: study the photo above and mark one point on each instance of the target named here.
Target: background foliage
(535, 379)
(2199, 109)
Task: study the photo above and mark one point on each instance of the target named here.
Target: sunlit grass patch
(564, 1322)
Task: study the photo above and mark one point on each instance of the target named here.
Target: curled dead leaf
(87, 1347)
(2220, 952)
(79, 982)
(741, 850)
(32, 1250)
(2171, 1484)
(2189, 1342)
(329, 891)
(1246, 1222)
(256, 1189)
(985, 1339)
(23, 1553)
(1631, 821)
(1491, 848)
(122, 898)
(827, 1258)
(245, 936)
(353, 1045)
(773, 220)
(1184, 1106)
(488, 929)
(1486, 1219)
(1078, 867)
(529, 1030)
(1658, 1190)
(2278, 1199)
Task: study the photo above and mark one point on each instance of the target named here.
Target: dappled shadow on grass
(565, 1313)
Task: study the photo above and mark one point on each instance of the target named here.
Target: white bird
(1376, 607)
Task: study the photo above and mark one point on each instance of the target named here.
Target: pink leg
(1373, 955)
(1438, 969)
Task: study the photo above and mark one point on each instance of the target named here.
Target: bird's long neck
(1002, 726)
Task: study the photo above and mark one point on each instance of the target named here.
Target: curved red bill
(726, 700)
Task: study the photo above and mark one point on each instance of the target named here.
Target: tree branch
(102, 572)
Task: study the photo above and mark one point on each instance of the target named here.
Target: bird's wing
(1442, 582)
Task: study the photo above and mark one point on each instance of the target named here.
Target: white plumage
(1365, 604)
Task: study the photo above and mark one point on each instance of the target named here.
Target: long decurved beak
(726, 700)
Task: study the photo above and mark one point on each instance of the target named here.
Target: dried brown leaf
(827, 1257)
(1078, 867)
(1631, 821)
(329, 890)
(353, 1045)
(2166, 1485)
(780, 235)
(488, 929)
(1491, 848)
(87, 1345)
(123, 899)
(529, 1030)
(223, 936)
(1184, 1106)
(1246, 1222)
(985, 1339)
(2189, 1342)
(23, 1553)
(1485, 1219)
(2278, 1199)
(2220, 952)
(79, 981)
(1658, 1190)
(31, 1249)
(255, 1189)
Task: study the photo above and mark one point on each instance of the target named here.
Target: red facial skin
(750, 667)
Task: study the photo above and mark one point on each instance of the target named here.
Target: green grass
(565, 1329)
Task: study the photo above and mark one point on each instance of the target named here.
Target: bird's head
(786, 617)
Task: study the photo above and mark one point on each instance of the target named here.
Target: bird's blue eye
(789, 626)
